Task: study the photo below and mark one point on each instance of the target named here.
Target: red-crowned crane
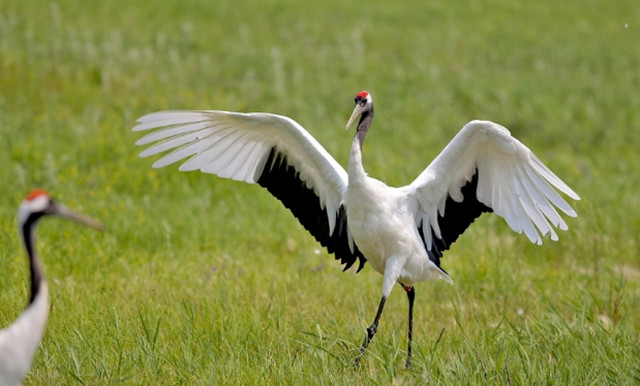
(20, 340)
(401, 232)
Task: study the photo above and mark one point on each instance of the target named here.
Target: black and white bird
(20, 340)
(402, 232)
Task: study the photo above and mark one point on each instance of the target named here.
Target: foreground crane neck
(35, 269)
(356, 170)
(363, 125)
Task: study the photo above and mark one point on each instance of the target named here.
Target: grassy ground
(199, 280)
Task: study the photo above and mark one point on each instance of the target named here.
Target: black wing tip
(283, 181)
(458, 217)
(349, 263)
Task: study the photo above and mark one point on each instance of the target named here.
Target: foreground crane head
(364, 103)
(20, 340)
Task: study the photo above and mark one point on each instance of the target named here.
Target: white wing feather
(511, 180)
(237, 145)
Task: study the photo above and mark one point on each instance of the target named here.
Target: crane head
(364, 102)
(39, 203)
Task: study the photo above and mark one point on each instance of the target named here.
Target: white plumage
(402, 231)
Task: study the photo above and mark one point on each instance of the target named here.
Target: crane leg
(371, 331)
(411, 294)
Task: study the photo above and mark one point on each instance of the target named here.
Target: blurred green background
(199, 280)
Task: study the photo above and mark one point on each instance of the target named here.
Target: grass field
(199, 280)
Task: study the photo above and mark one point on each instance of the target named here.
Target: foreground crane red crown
(402, 232)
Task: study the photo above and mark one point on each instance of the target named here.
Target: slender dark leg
(411, 294)
(371, 331)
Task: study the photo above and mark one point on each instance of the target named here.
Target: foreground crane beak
(356, 112)
(63, 211)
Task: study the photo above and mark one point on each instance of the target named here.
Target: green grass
(199, 280)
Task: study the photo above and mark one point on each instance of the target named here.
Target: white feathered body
(383, 227)
(378, 220)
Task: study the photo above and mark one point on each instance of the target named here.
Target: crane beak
(63, 211)
(356, 112)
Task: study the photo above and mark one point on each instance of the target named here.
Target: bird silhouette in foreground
(402, 232)
(20, 340)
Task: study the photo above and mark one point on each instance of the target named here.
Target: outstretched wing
(485, 169)
(272, 150)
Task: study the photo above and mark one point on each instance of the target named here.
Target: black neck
(363, 125)
(35, 270)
